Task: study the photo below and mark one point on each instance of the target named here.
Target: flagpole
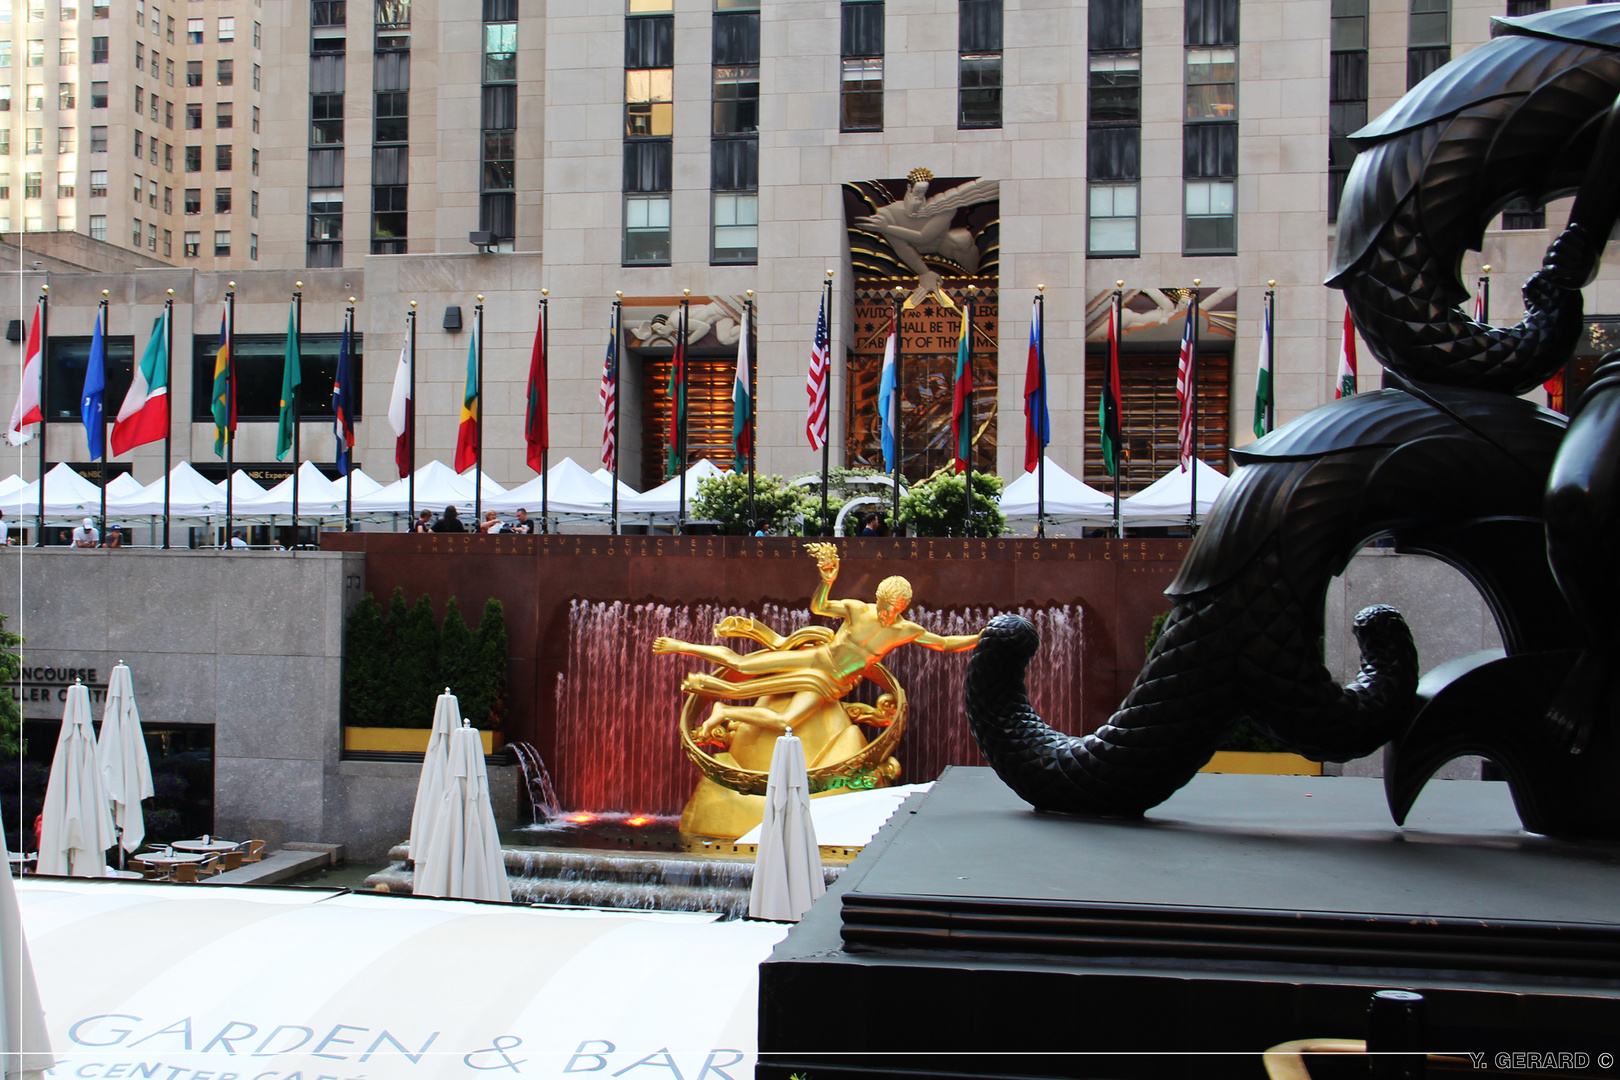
(967, 418)
(298, 343)
(1119, 402)
(1271, 355)
(168, 428)
(44, 395)
(680, 412)
(478, 420)
(1192, 399)
(1040, 465)
(545, 454)
(101, 464)
(618, 360)
(410, 422)
(348, 474)
(230, 411)
(1485, 295)
(826, 410)
(753, 413)
(895, 398)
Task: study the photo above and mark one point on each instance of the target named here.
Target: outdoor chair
(185, 873)
(255, 850)
(231, 860)
(208, 867)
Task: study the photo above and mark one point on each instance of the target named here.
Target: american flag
(609, 393)
(816, 386)
(1186, 365)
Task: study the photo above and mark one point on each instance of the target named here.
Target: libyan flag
(144, 415)
(467, 435)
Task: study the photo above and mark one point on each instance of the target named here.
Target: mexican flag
(144, 415)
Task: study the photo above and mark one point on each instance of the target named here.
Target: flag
(224, 407)
(1037, 421)
(608, 395)
(1186, 372)
(961, 421)
(677, 398)
(144, 415)
(1110, 409)
(536, 430)
(92, 409)
(292, 377)
(343, 405)
(1347, 359)
(1265, 398)
(400, 405)
(888, 397)
(742, 398)
(816, 385)
(1479, 302)
(28, 410)
(467, 434)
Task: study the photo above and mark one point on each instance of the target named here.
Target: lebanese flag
(144, 415)
(400, 405)
(1347, 359)
(28, 410)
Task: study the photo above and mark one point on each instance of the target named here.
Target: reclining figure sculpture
(1446, 458)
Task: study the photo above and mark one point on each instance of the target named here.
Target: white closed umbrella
(25, 1045)
(435, 769)
(787, 870)
(78, 826)
(464, 858)
(124, 763)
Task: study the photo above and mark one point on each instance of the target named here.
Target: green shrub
(367, 667)
(11, 741)
(493, 652)
(725, 499)
(842, 486)
(934, 507)
(394, 668)
(458, 661)
(416, 667)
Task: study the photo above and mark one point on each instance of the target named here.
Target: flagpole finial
(44, 288)
(413, 305)
(106, 292)
(480, 298)
(829, 273)
(1197, 281)
(1041, 287)
(545, 292)
(686, 292)
(619, 293)
(351, 301)
(1271, 283)
(1120, 284)
(171, 292)
(232, 284)
(298, 286)
(1486, 268)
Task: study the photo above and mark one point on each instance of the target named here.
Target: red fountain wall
(582, 610)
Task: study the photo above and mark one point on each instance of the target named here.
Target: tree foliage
(395, 667)
(458, 661)
(11, 741)
(416, 666)
(934, 507)
(725, 499)
(367, 666)
(842, 486)
(493, 650)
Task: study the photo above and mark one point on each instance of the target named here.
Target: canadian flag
(27, 410)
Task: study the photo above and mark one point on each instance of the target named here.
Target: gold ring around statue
(862, 764)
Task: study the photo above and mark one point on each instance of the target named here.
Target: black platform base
(975, 937)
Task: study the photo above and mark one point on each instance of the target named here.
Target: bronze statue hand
(826, 556)
(665, 645)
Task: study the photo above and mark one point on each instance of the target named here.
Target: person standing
(423, 522)
(450, 522)
(522, 525)
(86, 536)
(491, 523)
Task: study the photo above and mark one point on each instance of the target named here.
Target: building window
(253, 203)
(153, 108)
(168, 200)
(35, 99)
(1211, 84)
(648, 103)
(222, 114)
(152, 193)
(168, 73)
(736, 228)
(1518, 8)
(5, 54)
(34, 140)
(328, 13)
(1115, 89)
(33, 185)
(5, 185)
(194, 31)
(499, 161)
(168, 243)
(1347, 93)
(168, 115)
(193, 159)
(861, 56)
(222, 242)
(255, 76)
(979, 64)
(193, 241)
(1209, 135)
(193, 72)
(140, 55)
(500, 52)
(225, 72)
(98, 183)
(255, 119)
(193, 200)
(1524, 214)
(254, 156)
(1428, 39)
(98, 227)
(68, 53)
(1211, 222)
(326, 119)
(389, 222)
(325, 227)
(253, 245)
(1112, 228)
(227, 29)
(64, 185)
(98, 139)
(646, 230)
(36, 53)
(168, 156)
(255, 35)
(222, 200)
(98, 50)
(222, 157)
(135, 233)
(392, 117)
(98, 95)
(5, 97)
(1114, 133)
(140, 186)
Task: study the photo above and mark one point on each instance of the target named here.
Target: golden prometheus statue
(797, 682)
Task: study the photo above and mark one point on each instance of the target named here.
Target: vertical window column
(1428, 39)
(649, 124)
(734, 151)
(391, 131)
(979, 70)
(327, 79)
(1114, 127)
(497, 200)
(1347, 93)
(861, 51)
(1209, 134)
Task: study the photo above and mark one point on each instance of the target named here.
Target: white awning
(140, 979)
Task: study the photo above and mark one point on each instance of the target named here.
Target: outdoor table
(155, 859)
(213, 847)
(22, 861)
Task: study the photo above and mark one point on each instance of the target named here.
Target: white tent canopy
(1168, 500)
(665, 498)
(595, 991)
(67, 495)
(122, 486)
(606, 476)
(190, 496)
(1067, 497)
(437, 486)
(570, 490)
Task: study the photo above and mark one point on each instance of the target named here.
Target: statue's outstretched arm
(947, 643)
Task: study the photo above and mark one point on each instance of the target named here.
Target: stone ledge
(282, 865)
